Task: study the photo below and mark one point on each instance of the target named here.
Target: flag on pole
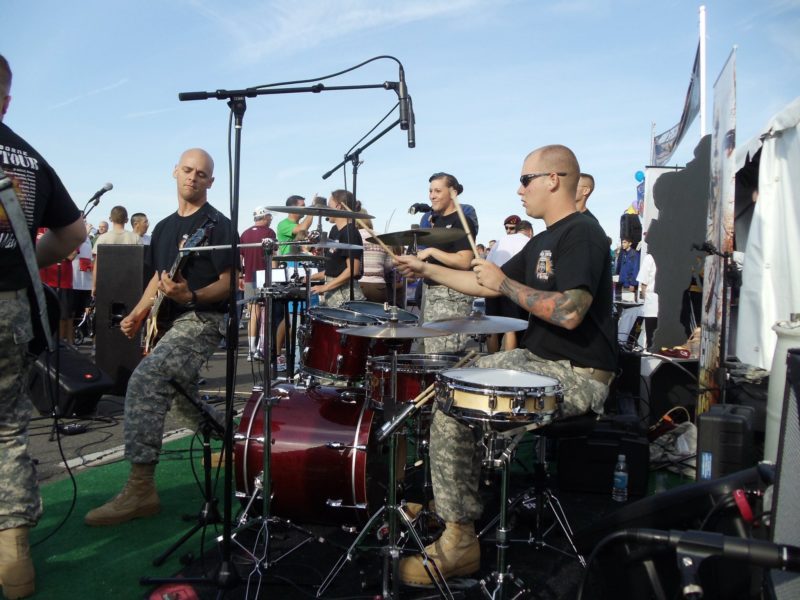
(664, 145)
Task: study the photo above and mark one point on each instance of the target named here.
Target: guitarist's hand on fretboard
(175, 288)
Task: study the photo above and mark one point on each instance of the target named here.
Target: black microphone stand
(226, 576)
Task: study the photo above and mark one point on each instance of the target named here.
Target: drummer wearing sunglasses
(563, 279)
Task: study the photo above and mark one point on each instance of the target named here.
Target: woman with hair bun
(439, 301)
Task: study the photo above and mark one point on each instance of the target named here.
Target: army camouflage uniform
(341, 294)
(21, 503)
(454, 449)
(440, 302)
(178, 357)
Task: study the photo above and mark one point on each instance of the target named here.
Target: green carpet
(107, 562)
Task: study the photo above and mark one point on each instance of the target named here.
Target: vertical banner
(719, 233)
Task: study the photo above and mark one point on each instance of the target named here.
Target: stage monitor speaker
(120, 282)
(786, 499)
(81, 383)
(630, 228)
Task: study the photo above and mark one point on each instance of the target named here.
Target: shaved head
(556, 158)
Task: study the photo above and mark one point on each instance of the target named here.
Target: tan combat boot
(457, 552)
(16, 567)
(137, 499)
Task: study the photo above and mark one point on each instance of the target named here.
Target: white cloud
(100, 90)
(148, 113)
(286, 26)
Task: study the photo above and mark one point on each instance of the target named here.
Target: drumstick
(429, 392)
(371, 233)
(464, 224)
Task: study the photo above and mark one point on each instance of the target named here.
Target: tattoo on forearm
(565, 309)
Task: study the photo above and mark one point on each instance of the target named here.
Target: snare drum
(498, 396)
(376, 310)
(415, 372)
(328, 353)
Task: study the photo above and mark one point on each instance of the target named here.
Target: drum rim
(312, 312)
(384, 362)
(506, 390)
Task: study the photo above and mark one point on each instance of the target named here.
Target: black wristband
(193, 302)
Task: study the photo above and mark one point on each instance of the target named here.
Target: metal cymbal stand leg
(391, 552)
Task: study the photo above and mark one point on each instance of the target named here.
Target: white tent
(771, 277)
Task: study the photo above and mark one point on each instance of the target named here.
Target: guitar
(157, 325)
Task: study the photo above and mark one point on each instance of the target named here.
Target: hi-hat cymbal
(437, 235)
(477, 324)
(391, 331)
(319, 211)
(298, 258)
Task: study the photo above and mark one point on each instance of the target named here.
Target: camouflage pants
(454, 449)
(177, 357)
(440, 302)
(341, 294)
(20, 503)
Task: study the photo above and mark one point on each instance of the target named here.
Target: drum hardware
(266, 401)
(394, 332)
(412, 237)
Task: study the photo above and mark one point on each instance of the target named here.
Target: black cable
(332, 75)
(617, 535)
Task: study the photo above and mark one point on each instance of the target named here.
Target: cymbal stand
(262, 486)
(395, 515)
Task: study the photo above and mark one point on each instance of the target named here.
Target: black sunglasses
(526, 179)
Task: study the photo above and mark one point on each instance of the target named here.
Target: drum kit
(331, 448)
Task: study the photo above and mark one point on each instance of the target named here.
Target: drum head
(376, 310)
(340, 316)
(476, 378)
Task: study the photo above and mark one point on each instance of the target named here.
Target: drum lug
(492, 401)
(349, 397)
(444, 395)
(342, 339)
(339, 363)
(340, 446)
(518, 404)
(304, 354)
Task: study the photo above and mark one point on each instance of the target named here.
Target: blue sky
(96, 84)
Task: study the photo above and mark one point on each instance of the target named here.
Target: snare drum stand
(499, 453)
(262, 486)
(391, 551)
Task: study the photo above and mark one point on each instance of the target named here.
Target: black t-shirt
(588, 213)
(201, 268)
(570, 254)
(450, 221)
(44, 200)
(336, 259)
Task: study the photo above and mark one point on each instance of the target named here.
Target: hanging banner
(719, 233)
(664, 145)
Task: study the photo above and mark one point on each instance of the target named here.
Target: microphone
(100, 192)
(759, 553)
(412, 140)
(402, 94)
(415, 208)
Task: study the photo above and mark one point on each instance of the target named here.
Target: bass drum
(326, 466)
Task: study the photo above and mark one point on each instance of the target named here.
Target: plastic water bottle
(619, 491)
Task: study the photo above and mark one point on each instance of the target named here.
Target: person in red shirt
(59, 277)
(252, 262)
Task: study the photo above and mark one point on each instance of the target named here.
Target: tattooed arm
(565, 309)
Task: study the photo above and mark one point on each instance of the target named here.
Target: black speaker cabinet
(119, 287)
(665, 384)
(81, 383)
(630, 228)
(786, 500)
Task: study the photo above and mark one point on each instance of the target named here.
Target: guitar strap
(19, 224)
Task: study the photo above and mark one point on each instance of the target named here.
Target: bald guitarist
(195, 291)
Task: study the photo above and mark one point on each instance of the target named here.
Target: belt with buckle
(604, 377)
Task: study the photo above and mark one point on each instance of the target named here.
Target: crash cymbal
(476, 324)
(319, 211)
(426, 237)
(391, 331)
